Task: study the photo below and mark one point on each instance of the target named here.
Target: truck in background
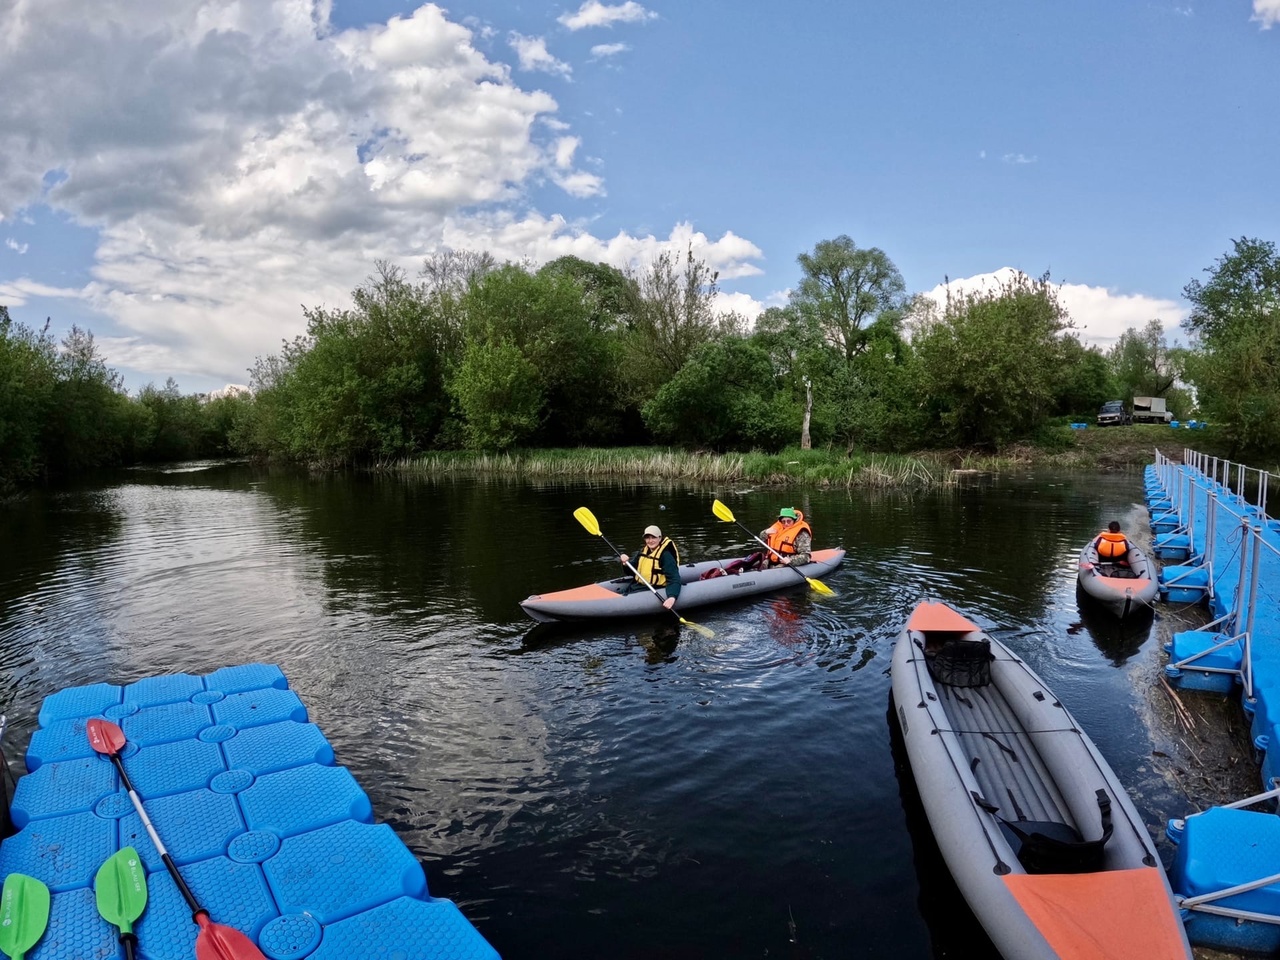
(1150, 410)
(1113, 414)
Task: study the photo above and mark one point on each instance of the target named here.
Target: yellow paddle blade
(588, 520)
(697, 627)
(723, 512)
(819, 587)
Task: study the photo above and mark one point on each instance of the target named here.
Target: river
(616, 791)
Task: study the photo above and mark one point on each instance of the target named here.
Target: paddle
(725, 514)
(215, 941)
(121, 889)
(24, 913)
(588, 520)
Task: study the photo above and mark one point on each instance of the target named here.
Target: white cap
(651, 529)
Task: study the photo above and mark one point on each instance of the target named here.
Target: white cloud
(240, 160)
(1266, 12)
(16, 293)
(534, 55)
(1019, 158)
(602, 50)
(593, 13)
(1100, 315)
(742, 303)
(982, 154)
(15, 246)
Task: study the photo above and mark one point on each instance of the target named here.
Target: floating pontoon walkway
(1209, 515)
(273, 838)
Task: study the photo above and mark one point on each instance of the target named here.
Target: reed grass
(813, 468)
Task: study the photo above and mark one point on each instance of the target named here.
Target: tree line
(471, 353)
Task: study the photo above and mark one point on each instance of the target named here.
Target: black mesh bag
(961, 663)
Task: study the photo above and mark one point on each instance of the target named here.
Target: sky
(183, 177)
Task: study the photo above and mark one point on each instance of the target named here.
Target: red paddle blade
(220, 942)
(104, 736)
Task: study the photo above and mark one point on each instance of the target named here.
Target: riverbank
(1116, 448)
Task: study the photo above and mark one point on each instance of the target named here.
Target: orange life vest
(782, 539)
(1112, 547)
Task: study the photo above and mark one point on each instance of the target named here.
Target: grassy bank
(1091, 449)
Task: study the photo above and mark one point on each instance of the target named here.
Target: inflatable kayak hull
(1125, 592)
(1039, 834)
(623, 597)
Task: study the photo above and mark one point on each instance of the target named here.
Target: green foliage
(674, 315)
(1236, 316)
(28, 374)
(724, 397)
(178, 428)
(844, 289)
(1084, 382)
(572, 356)
(365, 384)
(497, 390)
(1143, 362)
(989, 364)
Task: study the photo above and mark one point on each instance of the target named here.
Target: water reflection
(617, 789)
(1117, 639)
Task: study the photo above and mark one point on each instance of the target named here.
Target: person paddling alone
(790, 539)
(1112, 546)
(659, 564)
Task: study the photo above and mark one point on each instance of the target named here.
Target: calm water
(618, 791)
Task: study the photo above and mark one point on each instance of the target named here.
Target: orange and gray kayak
(624, 597)
(1040, 836)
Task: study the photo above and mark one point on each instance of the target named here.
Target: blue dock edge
(272, 837)
(1228, 849)
(1226, 872)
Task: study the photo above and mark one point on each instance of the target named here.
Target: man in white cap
(659, 564)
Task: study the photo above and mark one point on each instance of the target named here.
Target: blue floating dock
(272, 837)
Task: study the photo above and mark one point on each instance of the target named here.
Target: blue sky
(181, 176)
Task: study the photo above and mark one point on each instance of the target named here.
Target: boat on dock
(1124, 590)
(1039, 834)
(624, 597)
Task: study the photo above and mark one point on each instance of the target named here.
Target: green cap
(787, 513)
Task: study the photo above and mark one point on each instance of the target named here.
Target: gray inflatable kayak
(1124, 591)
(610, 598)
(1041, 838)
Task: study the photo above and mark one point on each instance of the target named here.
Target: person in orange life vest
(1112, 545)
(790, 539)
(659, 564)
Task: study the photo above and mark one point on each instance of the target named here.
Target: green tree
(1235, 318)
(89, 412)
(547, 318)
(28, 364)
(675, 314)
(1085, 380)
(497, 388)
(724, 397)
(844, 289)
(990, 360)
(1143, 362)
(364, 384)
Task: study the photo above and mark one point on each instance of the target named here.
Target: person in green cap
(790, 539)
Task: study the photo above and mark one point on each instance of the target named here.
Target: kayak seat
(1048, 847)
(960, 663)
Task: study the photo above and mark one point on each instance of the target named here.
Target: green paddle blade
(24, 913)
(121, 886)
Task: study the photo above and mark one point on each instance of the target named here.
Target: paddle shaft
(636, 573)
(770, 549)
(197, 911)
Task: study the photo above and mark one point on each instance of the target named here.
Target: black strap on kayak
(1051, 847)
